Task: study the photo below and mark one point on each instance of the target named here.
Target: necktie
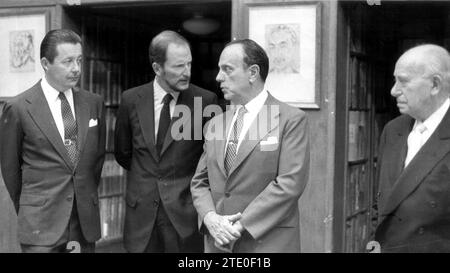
(164, 122)
(415, 142)
(231, 152)
(70, 128)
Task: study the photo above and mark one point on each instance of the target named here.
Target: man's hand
(221, 227)
(239, 227)
(229, 247)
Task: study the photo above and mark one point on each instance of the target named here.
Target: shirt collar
(51, 93)
(159, 92)
(257, 102)
(432, 122)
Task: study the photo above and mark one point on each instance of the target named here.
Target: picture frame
(20, 38)
(290, 34)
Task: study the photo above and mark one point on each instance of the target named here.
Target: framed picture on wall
(21, 34)
(290, 34)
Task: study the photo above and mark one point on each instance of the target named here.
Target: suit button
(421, 230)
(155, 203)
(432, 204)
(69, 198)
(227, 194)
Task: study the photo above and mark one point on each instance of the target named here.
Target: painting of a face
(21, 48)
(282, 45)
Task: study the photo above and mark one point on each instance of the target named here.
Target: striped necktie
(231, 152)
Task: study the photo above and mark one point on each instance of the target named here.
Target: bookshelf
(103, 74)
(367, 103)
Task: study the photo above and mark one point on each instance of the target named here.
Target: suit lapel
(257, 131)
(395, 157)
(146, 114)
(437, 146)
(42, 116)
(82, 114)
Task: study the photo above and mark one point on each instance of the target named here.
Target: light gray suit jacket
(269, 175)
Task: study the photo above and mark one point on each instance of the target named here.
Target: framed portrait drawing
(21, 34)
(290, 34)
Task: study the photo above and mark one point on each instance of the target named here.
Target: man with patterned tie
(255, 163)
(160, 216)
(52, 146)
(414, 157)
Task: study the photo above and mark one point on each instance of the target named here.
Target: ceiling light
(200, 25)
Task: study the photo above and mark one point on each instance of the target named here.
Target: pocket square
(92, 122)
(270, 141)
(271, 144)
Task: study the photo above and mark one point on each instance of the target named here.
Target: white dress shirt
(158, 97)
(253, 107)
(51, 95)
(422, 131)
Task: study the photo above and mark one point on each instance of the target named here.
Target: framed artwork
(290, 34)
(21, 34)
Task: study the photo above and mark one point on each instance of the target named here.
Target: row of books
(382, 87)
(357, 232)
(358, 135)
(113, 179)
(357, 190)
(104, 78)
(360, 84)
(101, 37)
(357, 20)
(110, 119)
(112, 214)
(111, 193)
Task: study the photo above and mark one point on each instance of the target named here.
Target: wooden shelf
(358, 162)
(359, 109)
(356, 213)
(114, 194)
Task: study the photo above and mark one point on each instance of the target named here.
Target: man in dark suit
(160, 148)
(414, 158)
(52, 150)
(255, 163)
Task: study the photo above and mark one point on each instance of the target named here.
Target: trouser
(165, 239)
(72, 239)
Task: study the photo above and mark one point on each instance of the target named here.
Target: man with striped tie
(255, 163)
(52, 146)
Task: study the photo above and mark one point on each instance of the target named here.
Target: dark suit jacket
(265, 183)
(414, 203)
(38, 173)
(153, 178)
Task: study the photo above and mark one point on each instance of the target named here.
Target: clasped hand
(222, 227)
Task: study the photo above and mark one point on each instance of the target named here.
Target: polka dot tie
(70, 129)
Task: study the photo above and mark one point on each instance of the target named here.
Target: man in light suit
(414, 158)
(161, 151)
(255, 163)
(52, 144)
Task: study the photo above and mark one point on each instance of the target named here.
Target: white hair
(434, 59)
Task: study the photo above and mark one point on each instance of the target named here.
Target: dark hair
(55, 37)
(159, 44)
(254, 54)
